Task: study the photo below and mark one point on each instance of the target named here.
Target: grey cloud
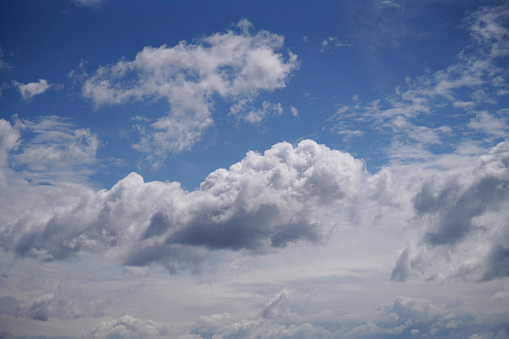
(270, 307)
(402, 270)
(454, 206)
(460, 222)
(497, 264)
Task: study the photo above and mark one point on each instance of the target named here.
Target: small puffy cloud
(233, 66)
(332, 43)
(30, 90)
(294, 111)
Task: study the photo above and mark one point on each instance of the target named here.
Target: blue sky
(231, 169)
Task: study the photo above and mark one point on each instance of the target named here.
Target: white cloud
(490, 124)
(255, 116)
(88, 3)
(234, 66)
(262, 203)
(30, 90)
(332, 43)
(57, 152)
(294, 111)
(476, 79)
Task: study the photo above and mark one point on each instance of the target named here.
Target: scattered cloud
(477, 79)
(30, 90)
(332, 43)
(233, 66)
(294, 111)
(88, 3)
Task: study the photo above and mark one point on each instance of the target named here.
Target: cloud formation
(262, 203)
(404, 317)
(32, 89)
(233, 66)
(476, 81)
(461, 223)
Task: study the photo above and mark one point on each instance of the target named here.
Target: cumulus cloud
(265, 202)
(233, 66)
(30, 90)
(262, 203)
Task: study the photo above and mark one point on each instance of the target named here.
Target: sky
(254, 169)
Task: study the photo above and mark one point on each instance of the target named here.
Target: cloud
(3, 63)
(490, 124)
(30, 90)
(233, 66)
(129, 327)
(270, 307)
(56, 150)
(294, 111)
(332, 43)
(88, 3)
(402, 318)
(9, 140)
(255, 116)
(460, 219)
(263, 203)
(469, 87)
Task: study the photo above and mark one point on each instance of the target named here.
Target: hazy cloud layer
(233, 66)
(403, 318)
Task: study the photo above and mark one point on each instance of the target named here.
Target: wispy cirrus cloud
(477, 79)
